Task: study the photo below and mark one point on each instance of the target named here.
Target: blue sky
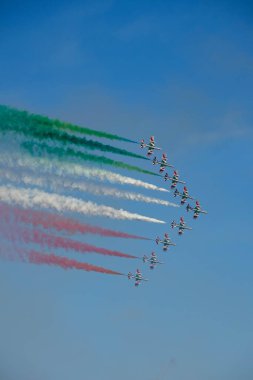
(184, 72)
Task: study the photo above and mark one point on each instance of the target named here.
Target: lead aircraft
(174, 179)
(152, 260)
(137, 277)
(151, 146)
(185, 195)
(163, 163)
(166, 242)
(181, 226)
(196, 210)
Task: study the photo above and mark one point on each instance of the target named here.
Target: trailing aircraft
(152, 260)
(181, 226)
(166, 242)
(174, 179)
(185, 195)
(151, 146)
(137, 277)
(196, 210)
(163, 163)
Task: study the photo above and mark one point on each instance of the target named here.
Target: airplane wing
(141, 279)
(169, 165)
(156, 148)
(153, 147)
(175, 180)
(150, 151)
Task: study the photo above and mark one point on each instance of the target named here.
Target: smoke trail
(59, 223)
(44, 122)
(34, 198)
(70, 168)
(57, 183)
(29, 128)
(65, 263)
(38, 237)
(40, 150)
(35, 257)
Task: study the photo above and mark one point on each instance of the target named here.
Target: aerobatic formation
(47, 181)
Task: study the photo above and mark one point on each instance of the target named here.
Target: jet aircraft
(163, 163)
(137, 277)
(196, 210)
(181, 226)
(185, 195)
(174, 179)
(166, 242)
(151, 146)
(152, 260)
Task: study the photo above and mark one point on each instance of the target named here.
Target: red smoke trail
(59, 242)
(49, 220)
(39, 258)
(35, 257)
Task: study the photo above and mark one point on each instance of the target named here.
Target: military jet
(181, 226)
(151, 146)
(166, 242)
(185, 195)
(196, 210)
(137, 277)
(152, 260)
(163, 163)
(174, 179)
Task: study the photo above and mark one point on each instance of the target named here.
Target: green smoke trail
(44, 123)
(38, 149)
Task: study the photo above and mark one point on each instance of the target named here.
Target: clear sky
(183, 71)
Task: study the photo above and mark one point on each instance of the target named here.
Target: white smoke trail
(28, 198)
(56, 183)
(70, 168)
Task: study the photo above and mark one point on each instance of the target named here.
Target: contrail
(29, 198)
(39, 258)
(65, 263)
(39, 150)
(51, 241)
(13, 123)
(48, 220)
(44, 122)
(71, 168)
(56, 183)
